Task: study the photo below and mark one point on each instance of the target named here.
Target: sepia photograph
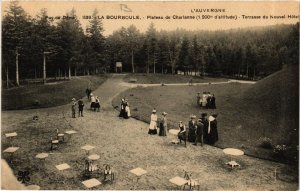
(150, 95)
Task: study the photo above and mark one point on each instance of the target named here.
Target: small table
(10, 136)
(91, 183)
(93, 158)
(87, 148)
(70, 132)
(138, 172)
(63, 166)
(233, 152)
(42, 156)
(175, 133)
(11, 150)
(178, 181)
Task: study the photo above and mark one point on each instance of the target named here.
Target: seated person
(182, 132)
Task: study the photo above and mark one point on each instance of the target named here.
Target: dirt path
(125, 145)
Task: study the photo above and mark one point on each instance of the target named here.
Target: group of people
(163, 124)
(95, 103)
(125, 109)
(203, 130)
(80, 107)
(207, 100)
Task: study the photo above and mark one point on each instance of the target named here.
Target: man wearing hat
(163, 125)
(153, 123)
(192, 129)
(205, 126)
(73, 108)
(80, 108)
(199, 132)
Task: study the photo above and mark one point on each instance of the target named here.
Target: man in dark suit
(192, 129)
(199, 132)
(205, 126)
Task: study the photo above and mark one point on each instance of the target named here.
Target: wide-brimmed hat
(73, 99)
(193, 116)
(164, 113)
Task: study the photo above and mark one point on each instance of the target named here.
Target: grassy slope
(52, 94)
(246, 112)
(167, 79)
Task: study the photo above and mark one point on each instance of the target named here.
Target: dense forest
(68, 50)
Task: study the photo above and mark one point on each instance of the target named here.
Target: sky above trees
(144, 9)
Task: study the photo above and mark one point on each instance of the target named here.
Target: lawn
(49, 95)
(168, 79)
(125, 145)
(246, 113)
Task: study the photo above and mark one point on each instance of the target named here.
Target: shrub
(265, 142)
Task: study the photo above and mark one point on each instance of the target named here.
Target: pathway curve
(125, 145)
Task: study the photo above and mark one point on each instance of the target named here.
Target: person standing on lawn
(73, 108)
(80, 108)
(153, 123)
(205, 126)
(97, 104)
(192, 129)
(122, 110)
(163, 125)
(213, 102)
(199, 132)
(127, 110)
(213, 136)
(208, 104)
(88, 92)
(93, 102)
(199, 99)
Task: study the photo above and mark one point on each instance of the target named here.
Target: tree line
(68, 50)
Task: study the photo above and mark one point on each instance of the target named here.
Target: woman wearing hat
(212, 129)
(97, 104)
(93, 102)
(122, 111)
(127, 110)
(163, 125)
(153, 123)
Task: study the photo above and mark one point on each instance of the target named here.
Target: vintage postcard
(150, 95)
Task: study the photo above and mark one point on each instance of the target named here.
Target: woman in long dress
(127, 110)
(153, 123)
(163, 125)
(212, 130)
(122, 111)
